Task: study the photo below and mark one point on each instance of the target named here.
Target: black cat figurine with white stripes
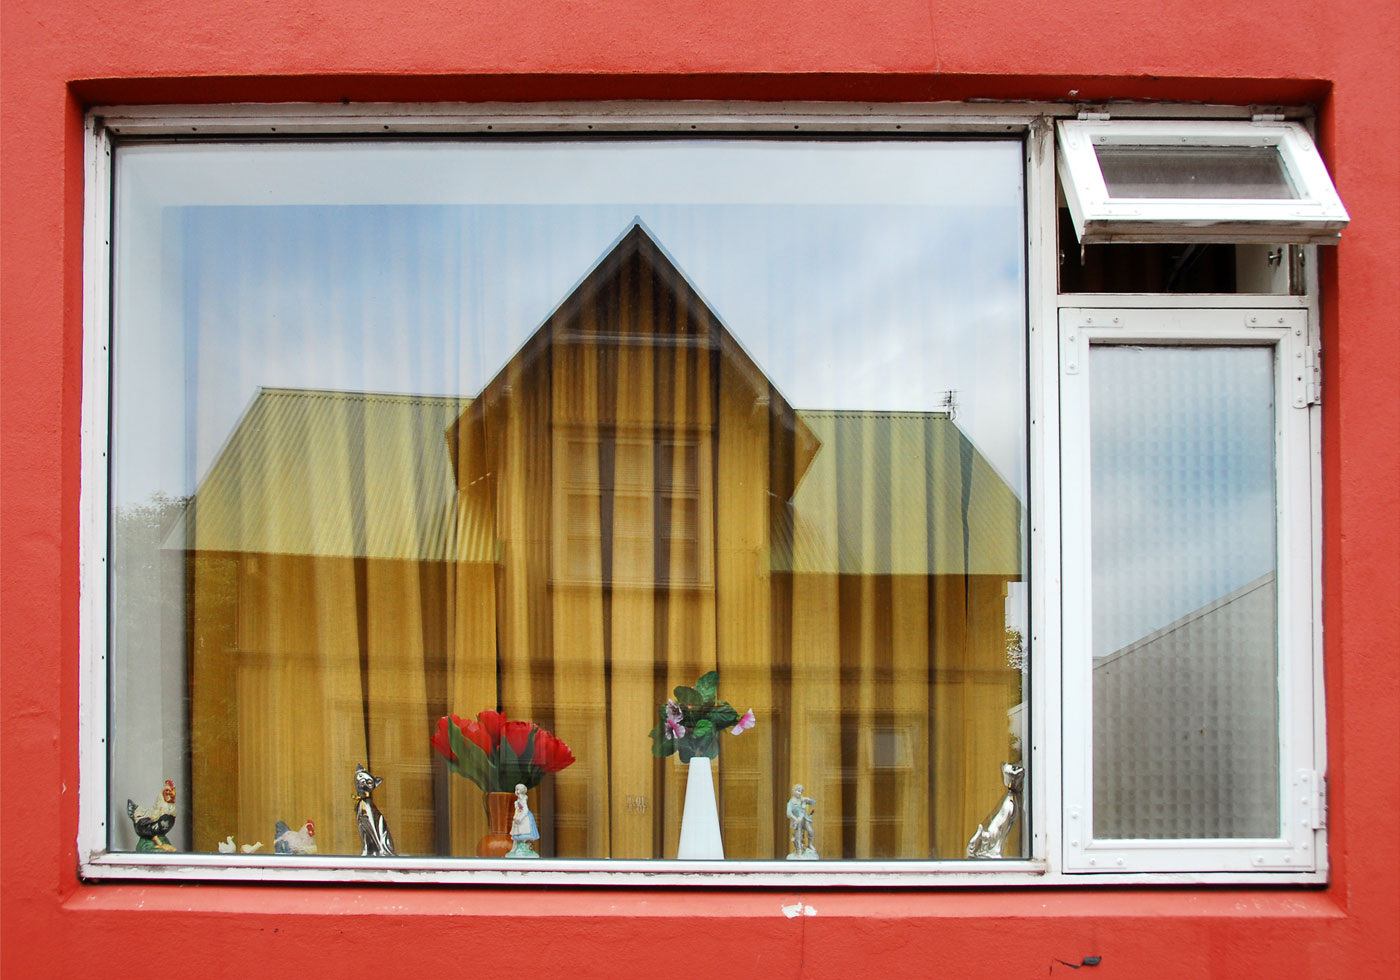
(378, 842)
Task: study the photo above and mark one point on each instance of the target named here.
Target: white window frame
(1044, 790)
(1316, 215)
(1287, 334)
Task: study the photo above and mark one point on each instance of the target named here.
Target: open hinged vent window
(1196, 181)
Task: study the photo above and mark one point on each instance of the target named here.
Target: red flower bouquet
(497, 753)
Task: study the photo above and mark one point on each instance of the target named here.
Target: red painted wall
(61, 55)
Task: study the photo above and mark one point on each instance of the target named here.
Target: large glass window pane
(1184, 596)
(403, 430)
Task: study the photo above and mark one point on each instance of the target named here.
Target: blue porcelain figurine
(523, 829)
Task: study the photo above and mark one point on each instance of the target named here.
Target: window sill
(311, 869)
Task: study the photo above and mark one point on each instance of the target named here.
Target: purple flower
(674, 728)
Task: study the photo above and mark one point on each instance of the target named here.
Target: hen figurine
(153, 823)
(289, 841)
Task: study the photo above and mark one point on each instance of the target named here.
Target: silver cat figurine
(990, 837)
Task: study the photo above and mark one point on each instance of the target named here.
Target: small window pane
(1195, 172)
(1184, 595)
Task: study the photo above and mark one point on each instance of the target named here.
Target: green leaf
(708, 686)
(517, 768)
(661, 746)
(471, 761)
(509, 765)
(704, 728)
(689, 696)
(691, 747)
(722, 715)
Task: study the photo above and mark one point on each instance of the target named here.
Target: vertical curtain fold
(631, 503)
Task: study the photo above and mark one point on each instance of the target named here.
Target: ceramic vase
(700, 839)
(500, 807)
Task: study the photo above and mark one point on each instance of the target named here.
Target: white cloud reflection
(1183, 482)
(857, 275)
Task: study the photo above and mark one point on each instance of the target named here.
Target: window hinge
(1266, 117)
(1313, 359)
(1093, 116)
(1307, 379)
(1314, 789)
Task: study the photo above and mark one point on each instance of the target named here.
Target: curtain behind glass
(569, 524)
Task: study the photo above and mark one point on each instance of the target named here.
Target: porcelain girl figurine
(522, 826)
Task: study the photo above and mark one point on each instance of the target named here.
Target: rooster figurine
(378, 842)
(289, 841)
(153, 823)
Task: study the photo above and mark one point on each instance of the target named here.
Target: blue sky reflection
(858, 276)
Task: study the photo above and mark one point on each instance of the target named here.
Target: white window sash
(1316, 215)
(1300, 844)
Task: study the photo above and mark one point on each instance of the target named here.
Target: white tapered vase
(700, 840)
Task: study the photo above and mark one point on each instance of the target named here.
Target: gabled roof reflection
(340, 473)
(337, 473)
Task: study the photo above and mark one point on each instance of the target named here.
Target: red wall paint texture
(60, 56)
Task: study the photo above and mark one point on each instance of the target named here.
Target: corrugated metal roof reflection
(368, 475)
(892, 493)
(338, 473)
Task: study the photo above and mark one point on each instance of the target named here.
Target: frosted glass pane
(1184, 593)
(1195, 172)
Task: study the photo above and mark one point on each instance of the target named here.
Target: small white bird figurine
(226, 845)
(251, 848)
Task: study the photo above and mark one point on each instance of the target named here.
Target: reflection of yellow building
(627, 504)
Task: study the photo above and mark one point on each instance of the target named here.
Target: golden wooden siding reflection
(629, 503)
